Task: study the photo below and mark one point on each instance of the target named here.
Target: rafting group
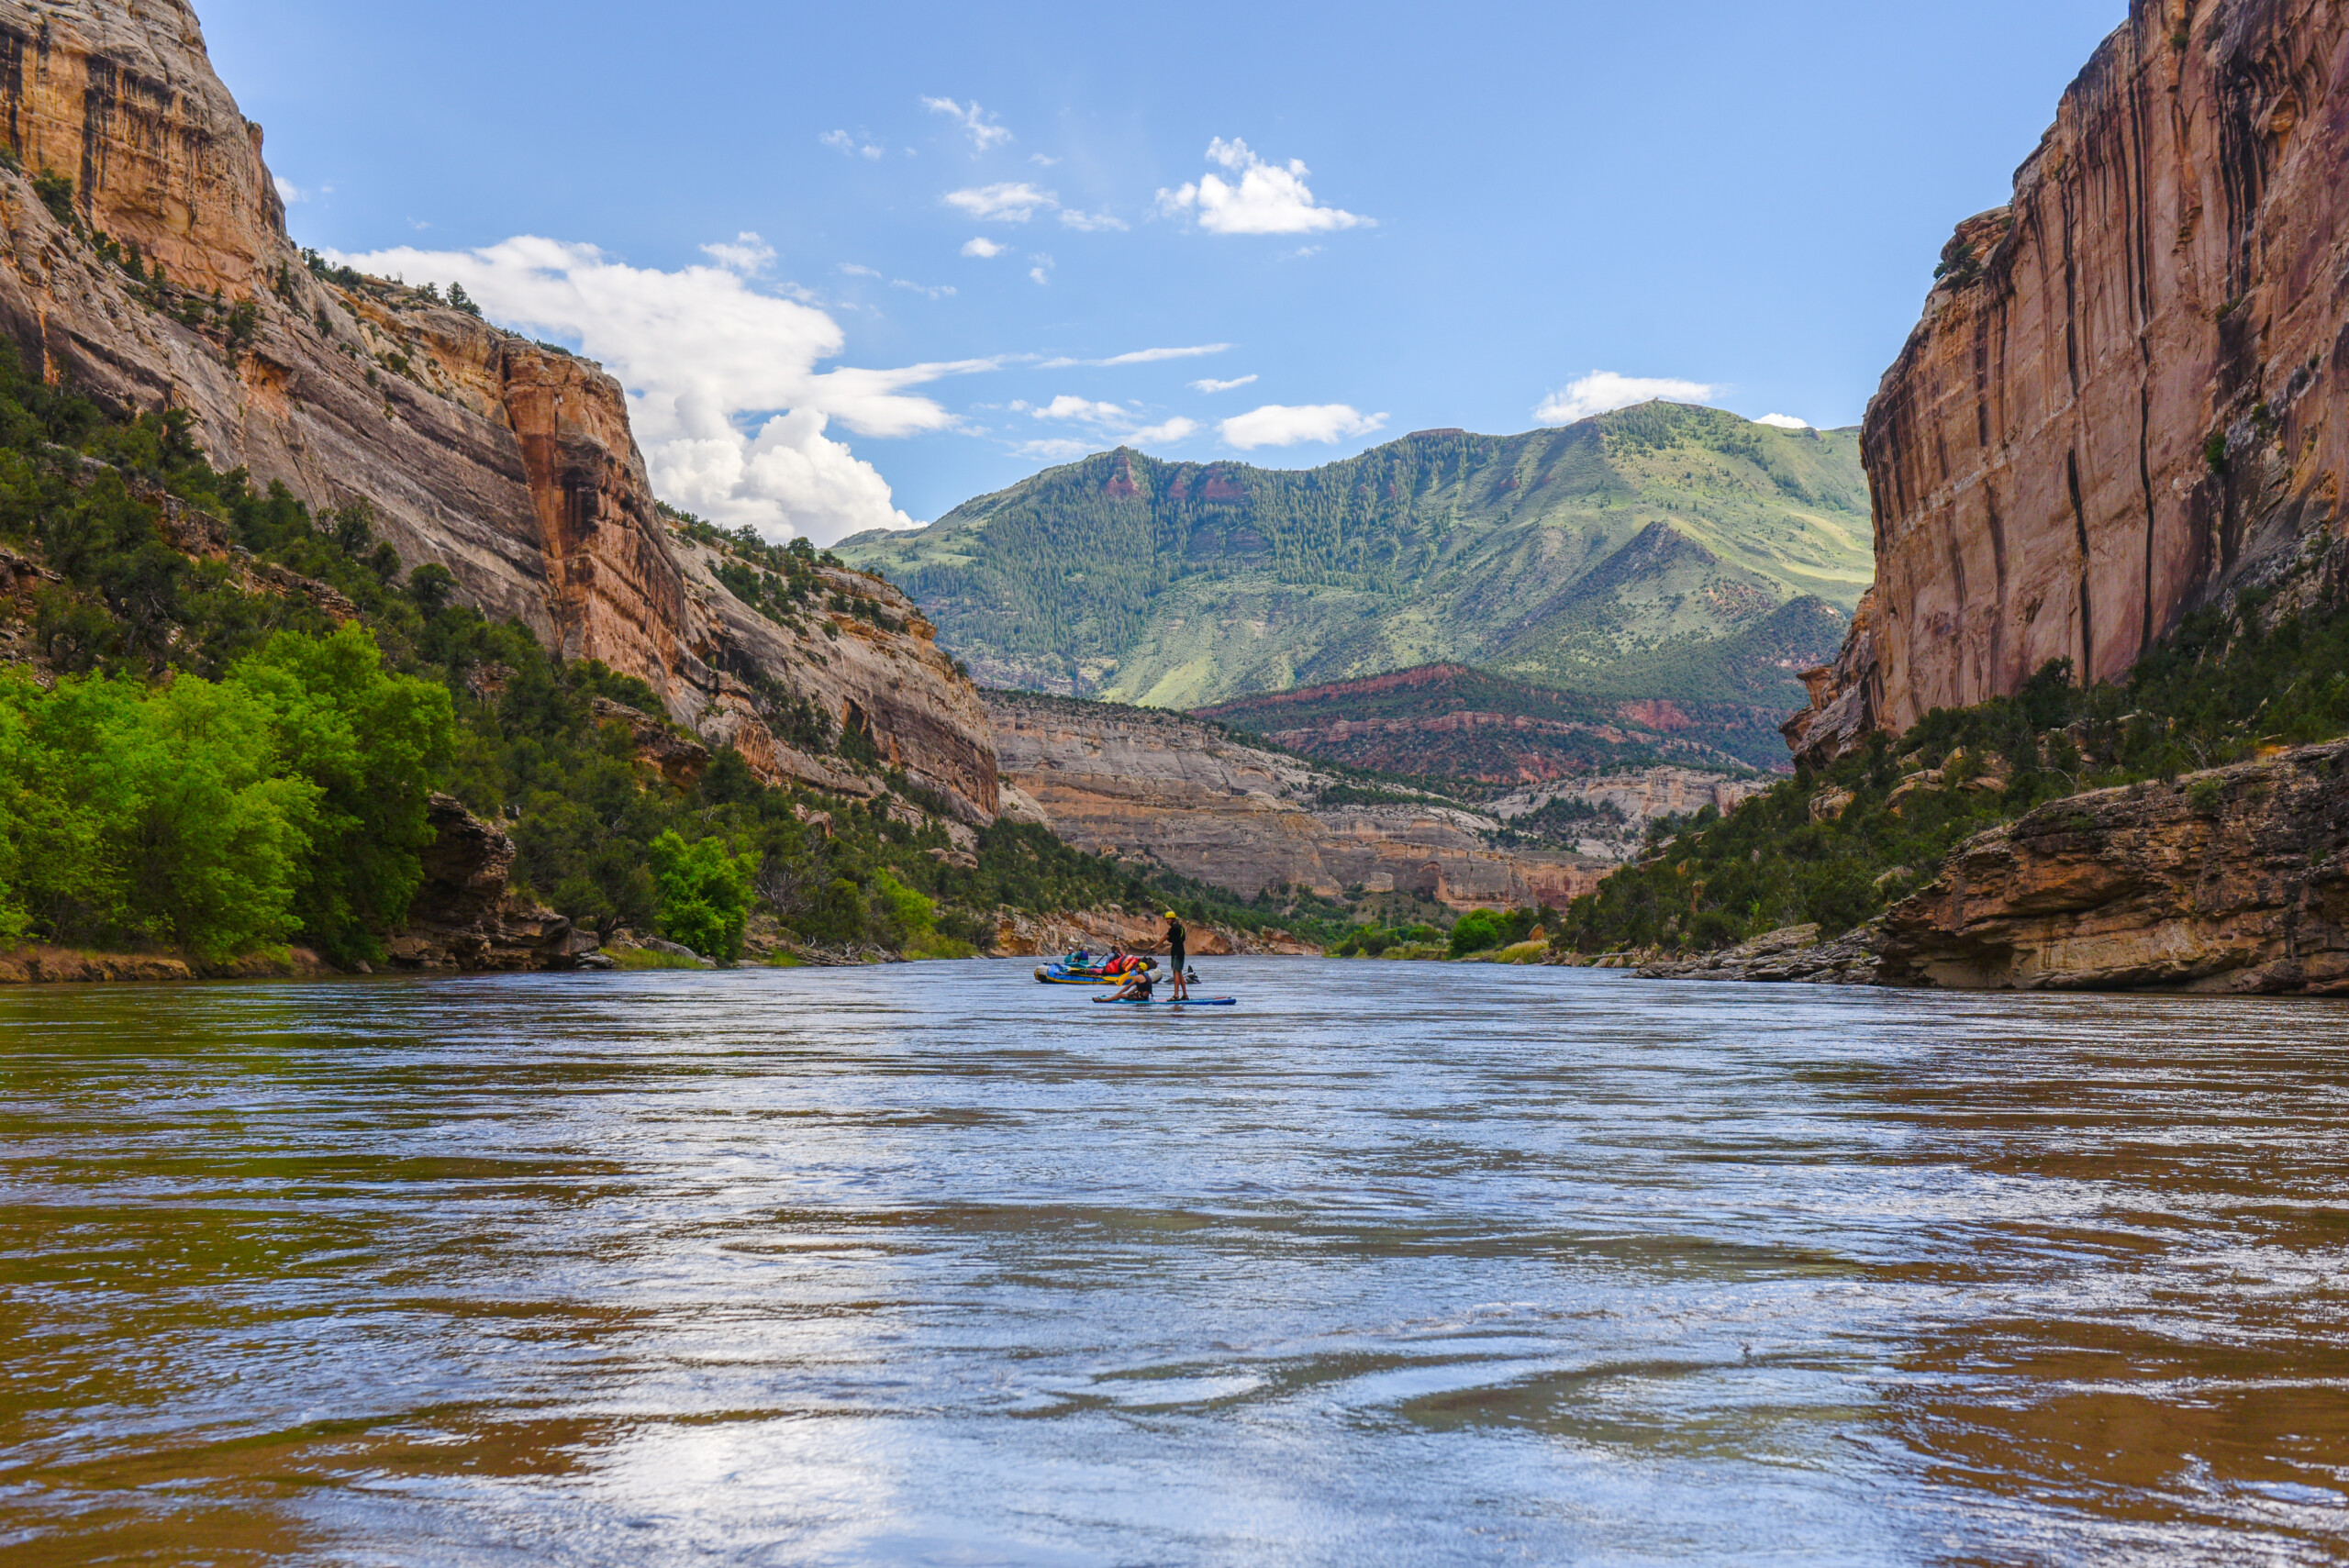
(1135, 976)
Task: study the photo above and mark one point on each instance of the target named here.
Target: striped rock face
(2125, 399)
(510, 462)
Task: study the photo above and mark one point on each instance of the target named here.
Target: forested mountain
(1643, 543)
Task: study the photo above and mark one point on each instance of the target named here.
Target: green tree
(375, 745)
(1479, 930)
(705, 899)
(156, 817)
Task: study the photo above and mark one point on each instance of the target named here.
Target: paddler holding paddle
(1178, 941)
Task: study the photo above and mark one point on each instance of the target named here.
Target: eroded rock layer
(510, 462)
(2125, 398)
(2231, 881)
(1159, 788)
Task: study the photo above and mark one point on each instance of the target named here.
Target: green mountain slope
(1649, 534)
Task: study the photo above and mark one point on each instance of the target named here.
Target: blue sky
(859, 264)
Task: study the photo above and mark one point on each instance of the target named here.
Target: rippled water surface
(1394, 1264)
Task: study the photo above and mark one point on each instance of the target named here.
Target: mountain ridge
(1180, 584)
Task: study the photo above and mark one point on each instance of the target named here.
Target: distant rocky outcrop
(2233, 882)
(1162, 788)
(2126, 398)
(1451, 721)
(508, 461)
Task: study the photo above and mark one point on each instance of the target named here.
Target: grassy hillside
(1652, 534)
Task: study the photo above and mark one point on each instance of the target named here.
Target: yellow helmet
(1171, 915)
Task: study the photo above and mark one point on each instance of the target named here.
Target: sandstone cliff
(510, 462)
(2233, 882)
(1156, 786)
(2125, 398)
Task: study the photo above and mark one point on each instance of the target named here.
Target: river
(1398, 1264)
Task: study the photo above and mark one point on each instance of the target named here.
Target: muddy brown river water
(1397, 1263)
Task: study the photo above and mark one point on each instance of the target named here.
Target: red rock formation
(507, 461)
(2125, 399)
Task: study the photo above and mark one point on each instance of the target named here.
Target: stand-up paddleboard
(1139, 1002)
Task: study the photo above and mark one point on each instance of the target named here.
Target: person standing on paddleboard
(1178, 941)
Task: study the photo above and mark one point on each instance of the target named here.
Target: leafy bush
(705, 895)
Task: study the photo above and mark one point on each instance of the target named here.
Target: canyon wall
(2125, 400)
(507, 461)
(2231, 881)
(1155, 786)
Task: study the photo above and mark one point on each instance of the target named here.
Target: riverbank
(38, 964)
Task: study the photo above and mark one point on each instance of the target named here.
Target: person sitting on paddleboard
(1137, 988)
(1178, 941)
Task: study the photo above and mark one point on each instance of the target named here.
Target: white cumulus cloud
(1603, 391)
(983, 247)
(1213, 385)
(721, 378)
(983, 131)
(1274, 425)
(1175, 430)
(1005, 202)
(1783, 422)
(1267, 198)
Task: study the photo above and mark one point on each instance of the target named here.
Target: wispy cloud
(746, 253)
(983, 247)
(1145, 357)
(1005, 202)
(1781, 421)
(1090, 222)
(855, 270)
(1602, 392)
(1274, 425)
(1043, 270)
(1268, 198)
(984, 131)
(1058, 449)
(1113, 423)
(1222, 385)
(723, 380)
(933, 291)
(848, 146)
(1066, 406)
(288, 191)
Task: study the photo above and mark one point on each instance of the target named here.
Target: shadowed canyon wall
(510, 462)
(2125, 399)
